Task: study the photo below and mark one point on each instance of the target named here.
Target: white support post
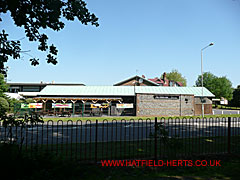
(73, 112)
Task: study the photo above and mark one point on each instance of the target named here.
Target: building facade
(166, 105)
(128, 100)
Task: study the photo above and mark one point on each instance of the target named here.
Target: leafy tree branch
(36, 15)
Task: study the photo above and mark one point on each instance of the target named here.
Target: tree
(236, 97)
(34, 16)
(219, 86)
(208, 80)
(3, 86)
(174, 75)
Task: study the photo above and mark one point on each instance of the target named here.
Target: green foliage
(208, 80)
(34, 16)
(3, 85)
(15, 105)
(12, 102)
(236, 97)
(223, 87)
(4, 106)
(9, 121)
(219, 86)
(29, 100)
(176, 76)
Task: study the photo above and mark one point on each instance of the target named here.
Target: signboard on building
(31, 105)
(104, 105)
(165, 97)
(61, 105)
(125, 105)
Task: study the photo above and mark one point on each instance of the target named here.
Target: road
(64, 132)
(223, 111)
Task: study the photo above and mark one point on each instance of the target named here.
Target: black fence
(128, 139)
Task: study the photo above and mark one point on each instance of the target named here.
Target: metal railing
(128, 139)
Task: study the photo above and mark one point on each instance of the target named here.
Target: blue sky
(151, 36)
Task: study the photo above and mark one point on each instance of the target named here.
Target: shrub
(4, 106)
(29, 100)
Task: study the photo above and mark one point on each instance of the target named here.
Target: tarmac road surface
(52, 133)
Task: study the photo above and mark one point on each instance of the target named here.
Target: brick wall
(147, 105)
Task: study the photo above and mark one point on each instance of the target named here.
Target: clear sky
(151, 36)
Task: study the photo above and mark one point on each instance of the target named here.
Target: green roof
(51, 90)
(196, 91)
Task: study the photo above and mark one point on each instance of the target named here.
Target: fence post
(155, 139)
(229, 135)
(96, 140)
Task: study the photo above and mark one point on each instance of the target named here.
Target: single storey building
(127, 100)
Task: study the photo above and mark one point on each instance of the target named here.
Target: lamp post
(202, 101)
(135, 98)
(137, 82)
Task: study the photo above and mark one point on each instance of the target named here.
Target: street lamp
(202, 101)
(137, 82)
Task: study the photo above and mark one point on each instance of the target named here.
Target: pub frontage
(88, 101)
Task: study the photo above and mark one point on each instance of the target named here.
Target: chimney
(164, 77)
(143, 76)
